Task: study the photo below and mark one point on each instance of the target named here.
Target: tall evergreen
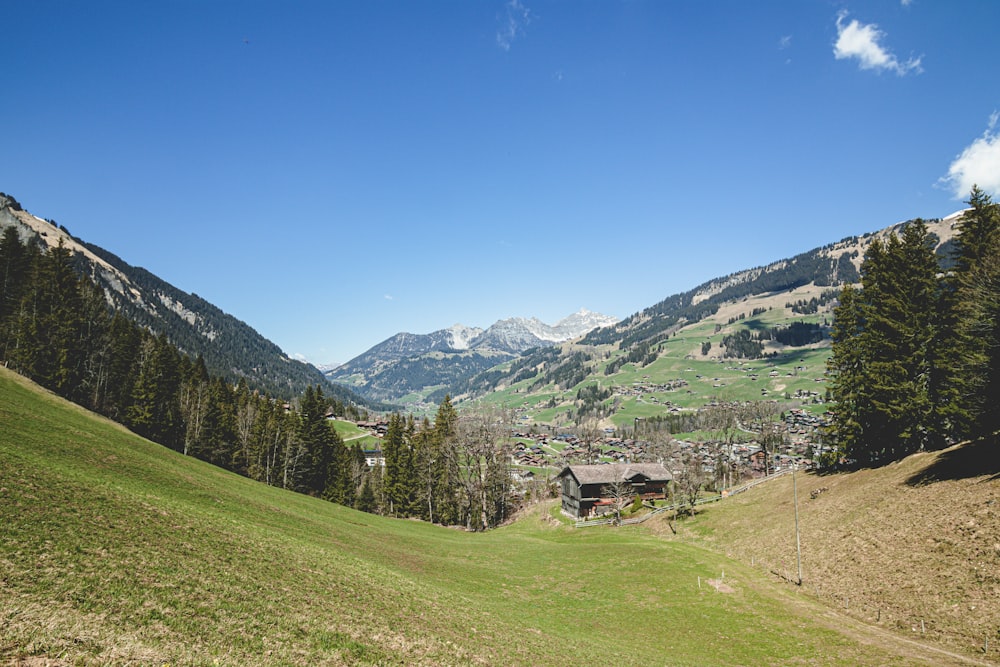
(884, 346)
(399, 472)
(15, 263)
(977, 285)
(846, 370)
(444, 468)
(315, 439)
(48, 324)
(125, 340)
(155, 410)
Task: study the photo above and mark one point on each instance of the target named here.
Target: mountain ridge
(407, 363)
(230, 347)
(603, 356)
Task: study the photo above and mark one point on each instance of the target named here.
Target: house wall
(578, 501)
(570, 496)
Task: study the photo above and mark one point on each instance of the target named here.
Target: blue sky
(333, 173)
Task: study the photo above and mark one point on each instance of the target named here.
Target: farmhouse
(587, 489)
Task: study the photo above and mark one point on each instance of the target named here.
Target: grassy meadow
(913, 547)
(114, 550)
(793, 377)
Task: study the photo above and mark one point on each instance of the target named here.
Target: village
(800, 444)
(539, 456)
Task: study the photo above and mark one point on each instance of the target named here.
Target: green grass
(352, 435)
(798, 370)
(114, 550)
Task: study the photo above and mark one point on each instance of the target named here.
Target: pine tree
(154, 411)
(977, 285)
(885, 348)
(398, 468)
(314, 437)
(442, 468)
(125, 340)
(366, 497)
(15, 263)
(340, 479)
(48, 325)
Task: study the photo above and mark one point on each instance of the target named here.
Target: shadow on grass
(973, 459)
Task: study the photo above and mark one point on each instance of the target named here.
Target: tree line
(57, 328)
(916, 349)
(454, 471)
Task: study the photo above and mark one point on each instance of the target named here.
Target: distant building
(585, 487)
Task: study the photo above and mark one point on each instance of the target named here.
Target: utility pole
(798, 547)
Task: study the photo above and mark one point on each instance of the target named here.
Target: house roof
(613, 472)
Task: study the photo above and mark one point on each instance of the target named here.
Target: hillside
(913, 547)
(118, 551)
(698, 343)
(230, 347)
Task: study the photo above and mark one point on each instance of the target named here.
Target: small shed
(585, 486)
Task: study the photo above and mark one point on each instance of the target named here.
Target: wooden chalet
(585, 487)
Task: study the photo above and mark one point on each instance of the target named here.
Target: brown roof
(611, 472)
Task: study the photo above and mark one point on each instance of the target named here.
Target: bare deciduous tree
(620, 492)
(484, 454)
(690, 479)
(589, 431)
(758, 416)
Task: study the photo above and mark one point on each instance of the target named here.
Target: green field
(794, 376)
(352, 435)
(114, 550)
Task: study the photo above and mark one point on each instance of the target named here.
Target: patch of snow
(462, 336)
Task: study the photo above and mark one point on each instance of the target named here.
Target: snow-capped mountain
(463, 336)
(581, 322)
(408, 363)
(518, 334)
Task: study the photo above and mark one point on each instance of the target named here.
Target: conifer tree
(124, 341)
(315, 439)
(396, 452)
(48, 324)
(366, 497)
(977, 285)
(340, 479)
(154, 410)
(884, 346)
(15, 263)
(443, 466)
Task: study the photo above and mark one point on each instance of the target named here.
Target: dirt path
(873, 635)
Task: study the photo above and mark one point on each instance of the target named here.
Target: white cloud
(387, 297)
(978, 164)
(785, 42)
(512, 23)
(906, 3)
(863, 42)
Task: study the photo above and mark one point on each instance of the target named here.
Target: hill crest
(230, 347)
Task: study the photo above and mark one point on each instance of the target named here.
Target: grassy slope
(915, 541)
(680, 358)
(114, 550)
